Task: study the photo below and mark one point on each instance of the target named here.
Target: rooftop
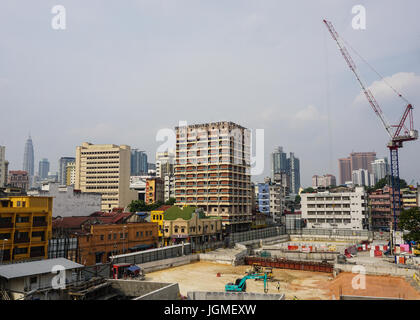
(185, 213)
(17, 270)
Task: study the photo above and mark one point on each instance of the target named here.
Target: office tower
(279, 162)
(105, 169)
(362, 177)
(325, 181)
(44, 168)
(294, 173)
(139, 165)
(356, 161)
(4, 167)
(212, 171)
(62, 169)
(165, 164)
(344, 168)
(380, 168)
(28, 158)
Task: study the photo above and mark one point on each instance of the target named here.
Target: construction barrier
(289, 264)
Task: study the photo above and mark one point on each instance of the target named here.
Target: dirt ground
(375, 286)
(303, 285)
(202, 276)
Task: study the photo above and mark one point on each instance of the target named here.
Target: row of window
(124, 236)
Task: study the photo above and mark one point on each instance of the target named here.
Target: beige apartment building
(212, 172)
(71, 173)
(105, 169)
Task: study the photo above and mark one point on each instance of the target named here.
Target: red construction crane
(398, 133)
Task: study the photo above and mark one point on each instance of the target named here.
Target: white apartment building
(3, 166)
(169, 187)
(362, 177)
(105, 169)
(335, 210)
(277, 198)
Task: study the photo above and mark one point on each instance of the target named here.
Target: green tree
(137, 206)
(386, 181)
(308, 190)
(170, 202)
(297, 199)
(409, 220)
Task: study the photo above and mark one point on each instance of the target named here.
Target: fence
(329, 232)
(153, 254)
(102, 270)
(256, 234)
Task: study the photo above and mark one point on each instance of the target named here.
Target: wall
(144, 290)
(202, 295)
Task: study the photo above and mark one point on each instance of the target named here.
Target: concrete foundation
(144, 290)
(202, 295)
(168, 263)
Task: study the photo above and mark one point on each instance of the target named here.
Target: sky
(123, 70)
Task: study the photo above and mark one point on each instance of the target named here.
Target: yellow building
(25, 227)
(71, 173)
(105, 169)
(157, 216)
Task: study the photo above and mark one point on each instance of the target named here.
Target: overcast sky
(122, 70)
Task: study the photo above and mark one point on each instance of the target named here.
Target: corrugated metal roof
(17, 270)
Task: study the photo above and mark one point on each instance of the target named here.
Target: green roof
(185, 213)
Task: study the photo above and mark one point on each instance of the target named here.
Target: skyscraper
(356, 161)
(294, 172)
(213, 171)
(44, 168)
(380, 168)
(4, 167)
(62, 169)
(278, 162)
(28, 157)
(139, 165)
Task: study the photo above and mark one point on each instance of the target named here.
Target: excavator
(240, 283)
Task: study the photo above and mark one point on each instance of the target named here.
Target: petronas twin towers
(28, 157)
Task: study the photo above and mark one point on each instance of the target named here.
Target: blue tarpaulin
(133, 268)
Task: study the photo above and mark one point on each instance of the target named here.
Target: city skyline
(232, 67)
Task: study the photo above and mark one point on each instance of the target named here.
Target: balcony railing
(39, 224)
(6, 225)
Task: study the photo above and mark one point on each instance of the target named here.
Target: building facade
(380, 169)
(69, 202)
(105, 169)
(104, 240)
(355, 161)
(44, 169)
(324, 181)
(4, 167)
(362, 177)
(63, 162)
(139, 165)
(212, 172)
(70, 174)
(335, 210)
(25, 227)
(18, 179)
(28, 158)
(155, 190)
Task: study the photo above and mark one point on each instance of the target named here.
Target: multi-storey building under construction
(212, 171)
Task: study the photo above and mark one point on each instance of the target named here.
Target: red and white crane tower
(398, 133)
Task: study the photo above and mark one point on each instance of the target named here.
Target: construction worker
(278, 286)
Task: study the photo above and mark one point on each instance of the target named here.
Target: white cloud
(307, 116)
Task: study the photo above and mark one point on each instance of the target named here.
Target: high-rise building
(362, 177)
(281, 166)
(380, 168)
(213, 172)
(155, 190)
(344, 169)
(294, 172)
(139, 165)
(279, 163)
(4, 167)
(325, 181)
(62, 169)
(164, 164)
(28, 158)
(44, 168)
(70, 173)
(105, 168)
(356, 161)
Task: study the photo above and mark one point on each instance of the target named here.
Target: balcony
(22, 240)
(39, 224)
(6, 225)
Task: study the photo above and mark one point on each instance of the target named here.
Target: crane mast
(394, 131)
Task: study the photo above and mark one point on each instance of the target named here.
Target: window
(126, 235)
(109, 237)
(137, 234)
(121, 235)
(115, 236)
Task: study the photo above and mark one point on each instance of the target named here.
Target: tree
(409, 220)
(297, 199)
(308, 190)
(170, 202)
(386, 181)
(137, 206)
